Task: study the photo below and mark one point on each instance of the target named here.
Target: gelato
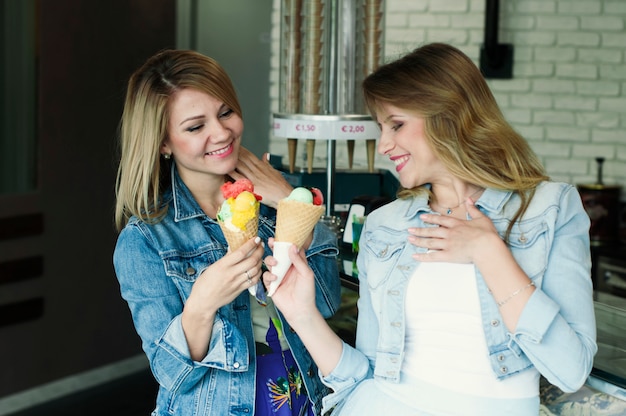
(238, 216)
(296, 216)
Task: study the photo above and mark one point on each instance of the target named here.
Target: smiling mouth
(221, 151)
(400, 160)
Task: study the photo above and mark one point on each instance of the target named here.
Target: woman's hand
(268, 182)
(295, 297)
(225, 279)
(455, 240)
(218, 285)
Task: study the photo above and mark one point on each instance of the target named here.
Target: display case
(609, 279)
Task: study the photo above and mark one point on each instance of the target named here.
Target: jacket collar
(491, 201)
(185, 205)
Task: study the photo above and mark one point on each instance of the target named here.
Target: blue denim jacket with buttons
(556, 332)
(157, 265)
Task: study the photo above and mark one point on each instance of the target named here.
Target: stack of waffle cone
(294, 222)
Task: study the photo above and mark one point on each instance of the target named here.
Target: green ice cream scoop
(301, 194)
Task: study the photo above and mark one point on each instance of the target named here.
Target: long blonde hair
(142, 175)
(464, 125)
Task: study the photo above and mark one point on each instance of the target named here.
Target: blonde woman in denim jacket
(475, 281)
(202, 331)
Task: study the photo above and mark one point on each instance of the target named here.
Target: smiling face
(403, 140)
(203, 135)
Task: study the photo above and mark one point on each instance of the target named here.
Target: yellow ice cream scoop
(244, 201)
(244, 208)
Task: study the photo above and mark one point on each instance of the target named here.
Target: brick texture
(568, 92)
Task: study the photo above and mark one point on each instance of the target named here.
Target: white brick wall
(568, 92)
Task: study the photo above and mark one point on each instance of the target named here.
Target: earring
(167, 156)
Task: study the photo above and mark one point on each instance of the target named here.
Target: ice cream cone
(236, 238)
(294, 222)
(238, 215)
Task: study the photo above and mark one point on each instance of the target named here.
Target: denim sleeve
(156, 307)
(322, 258)
(353, 367)
(557, 328)
(355, 364)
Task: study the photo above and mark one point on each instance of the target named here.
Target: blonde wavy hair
(463, 123)
(142, 175)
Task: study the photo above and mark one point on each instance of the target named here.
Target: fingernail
(267, 156)
(257, 240)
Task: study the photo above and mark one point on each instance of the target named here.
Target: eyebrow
(389, 117)
(198, 117)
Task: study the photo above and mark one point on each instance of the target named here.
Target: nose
(219, 131)
(385, 144)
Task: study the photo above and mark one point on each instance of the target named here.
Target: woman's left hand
(454, 240)
(268, 182)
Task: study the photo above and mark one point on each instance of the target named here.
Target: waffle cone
(295, 221)
(235, 239)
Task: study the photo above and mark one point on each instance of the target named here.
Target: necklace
(450, 209)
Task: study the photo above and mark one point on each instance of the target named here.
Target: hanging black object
(496, 59)
(602, 203)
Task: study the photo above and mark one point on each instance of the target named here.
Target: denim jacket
(157, 265)
(556, 332)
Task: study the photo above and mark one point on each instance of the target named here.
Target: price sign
(301, 129)
(307, 126)
(356, 130)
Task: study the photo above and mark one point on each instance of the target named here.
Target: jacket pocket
(189, 266)
(382, 249)
(530, 245)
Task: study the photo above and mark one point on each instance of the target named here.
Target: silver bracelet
(517, 292)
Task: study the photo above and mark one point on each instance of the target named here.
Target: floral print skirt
(279, 387)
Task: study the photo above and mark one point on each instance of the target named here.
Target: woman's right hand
(295, 297)
(221, 282)
(217, 286)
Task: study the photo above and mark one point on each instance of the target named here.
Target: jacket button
(309, 372)
(495, 322)
(501, 357)
(236, 365)
(504, 370)
(190, 271)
